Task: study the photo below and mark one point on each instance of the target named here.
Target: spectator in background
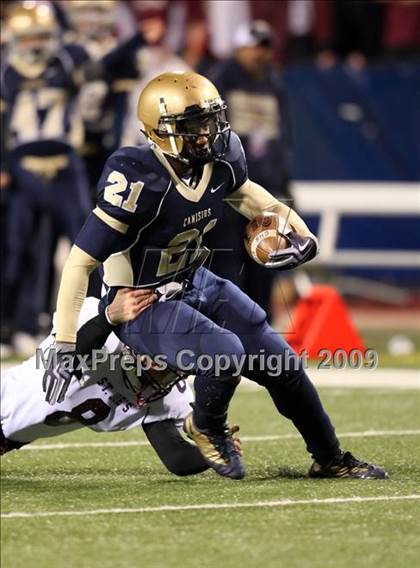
(255, 97)
(357, 30)
(353, 30)
(309, 29)
(224, 18)
(302, 26)
(275, 14)
(196, 49)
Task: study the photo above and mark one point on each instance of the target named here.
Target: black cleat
(217, 448)
(345, 465)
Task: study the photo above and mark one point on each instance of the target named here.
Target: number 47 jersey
(149, 224)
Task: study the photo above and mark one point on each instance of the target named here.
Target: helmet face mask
(35, 48)
(184, 116)
(204, 134)
(145, 379)
(33, 33)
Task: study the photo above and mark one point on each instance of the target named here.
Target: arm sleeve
(251, 200)
(72, 292)
(93, 334)
(97, 240)
(101, 236)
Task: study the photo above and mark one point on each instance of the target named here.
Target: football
(266, 234)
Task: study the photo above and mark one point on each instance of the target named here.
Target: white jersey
(104, 406)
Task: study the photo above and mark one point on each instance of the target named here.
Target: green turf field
(317, 535)
(378, 339)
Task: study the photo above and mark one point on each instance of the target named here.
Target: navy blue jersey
(161, 221)
(40, 112)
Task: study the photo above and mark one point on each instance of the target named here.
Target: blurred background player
(46, 111)
(196, 50)
(257, 111)
(93, 25)
(43, 130)
(152, 58)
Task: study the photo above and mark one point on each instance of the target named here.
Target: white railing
(330, 200)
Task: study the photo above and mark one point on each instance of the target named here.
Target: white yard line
(129, 443)
(365, 434)
(126, 444)
(204, 506)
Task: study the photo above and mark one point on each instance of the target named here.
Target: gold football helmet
(32, 32)
(184, 115)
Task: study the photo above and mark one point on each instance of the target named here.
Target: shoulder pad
(235, 157)
(139, 161)
(130, 184)
(235, 150)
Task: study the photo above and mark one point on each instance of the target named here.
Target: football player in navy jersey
(94, 26)
(154, 208)
(42, 132)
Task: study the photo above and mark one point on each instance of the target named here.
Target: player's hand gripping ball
(264, 235)
(271, 242)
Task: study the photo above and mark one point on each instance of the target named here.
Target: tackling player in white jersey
(112, 399)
